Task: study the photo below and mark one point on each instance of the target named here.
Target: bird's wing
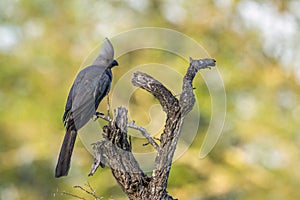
(83, 99)
(82, 113)
(103, 88)
(106, 54)
(68, 104)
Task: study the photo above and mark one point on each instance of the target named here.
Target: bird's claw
(102, 116)
(98, 115)
(145, 144)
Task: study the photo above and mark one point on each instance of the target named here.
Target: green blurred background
(256, 45)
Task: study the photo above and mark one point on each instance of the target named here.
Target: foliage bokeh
(255, 43)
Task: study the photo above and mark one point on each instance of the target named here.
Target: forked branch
(115, 149)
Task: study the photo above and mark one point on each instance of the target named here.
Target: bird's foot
(98, 115)
(102, 116)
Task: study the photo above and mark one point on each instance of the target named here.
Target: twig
(144, 133)
(108, 106)
(72, 195)
(92, 192)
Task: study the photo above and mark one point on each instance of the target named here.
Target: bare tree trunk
(115, 149)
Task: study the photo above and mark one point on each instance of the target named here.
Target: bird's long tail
(64, 159)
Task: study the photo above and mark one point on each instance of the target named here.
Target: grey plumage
(91, 85)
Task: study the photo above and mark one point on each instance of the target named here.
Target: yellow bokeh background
(256, 45)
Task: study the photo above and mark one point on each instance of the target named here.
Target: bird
(90, 86)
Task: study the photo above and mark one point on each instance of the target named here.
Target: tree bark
(115, 148)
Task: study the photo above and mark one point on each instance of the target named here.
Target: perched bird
(91, 85)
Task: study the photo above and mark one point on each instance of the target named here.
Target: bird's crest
(106, 54)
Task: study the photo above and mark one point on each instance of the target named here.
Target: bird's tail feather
(64, 159)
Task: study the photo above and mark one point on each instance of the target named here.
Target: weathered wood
(115, 149)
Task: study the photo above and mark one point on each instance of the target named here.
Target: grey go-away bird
(91, 85)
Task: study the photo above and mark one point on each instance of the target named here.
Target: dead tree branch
(144, 133)
(115, 150)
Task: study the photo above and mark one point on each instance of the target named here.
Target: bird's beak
(115, 63)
